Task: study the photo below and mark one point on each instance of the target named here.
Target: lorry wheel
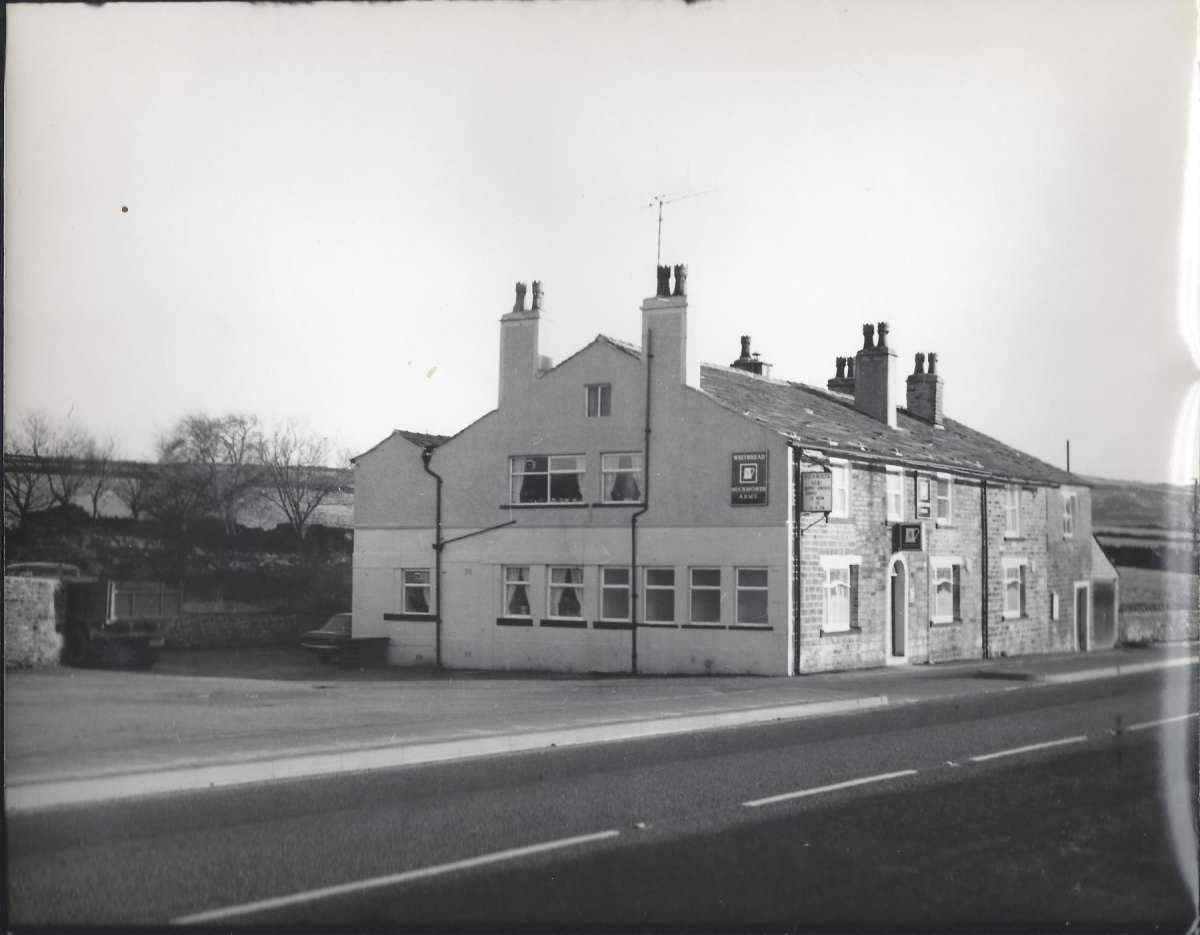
(144, 657)
(324, 658)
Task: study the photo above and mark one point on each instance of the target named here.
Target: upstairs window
(552, 479)
(895, 494)
(1012, 512)
(622, 477)
(841, 489)
(945, 500)
(599, 400)
(1070, 508)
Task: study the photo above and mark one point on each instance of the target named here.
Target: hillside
(1134, 505)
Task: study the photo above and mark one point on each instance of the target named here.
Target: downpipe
(634, 590)
(426, 454)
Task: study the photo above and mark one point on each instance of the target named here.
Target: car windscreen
(338, 624)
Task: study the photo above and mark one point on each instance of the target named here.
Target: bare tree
(67, 475)
(182, 487)
(238, 466)
(134, 486)
(99, 458)
(26, 448)
(298, 473)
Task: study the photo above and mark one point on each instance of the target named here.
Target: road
(904, 816)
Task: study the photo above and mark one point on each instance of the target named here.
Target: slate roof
(829, 422)
(631, 349)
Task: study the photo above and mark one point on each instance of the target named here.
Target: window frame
(1070, 513)
(893, 488)
(1012, 511)
(836, 465)
(551, 585)
(548, 474)
(949, 498)
(693, 587)
(954, 563)
(847, 563)
(603, 400)
(627, 587)
(647, 587)
(638, 472)
(1021, 567)
(738, 588)
(427, 587)
(527, 584)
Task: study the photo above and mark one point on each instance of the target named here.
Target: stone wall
(1160, 625)
(32, 606)
(235, 630)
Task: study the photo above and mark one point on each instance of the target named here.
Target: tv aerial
(661, 200)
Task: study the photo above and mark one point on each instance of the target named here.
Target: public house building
(620, 512)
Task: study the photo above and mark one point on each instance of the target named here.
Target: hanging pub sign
(816, 492)
(749, 484)
(924, 498)
(910, 537)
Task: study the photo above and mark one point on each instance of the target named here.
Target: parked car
(329, 640)
(42, 570)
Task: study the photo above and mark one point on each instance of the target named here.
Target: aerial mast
(661, 200)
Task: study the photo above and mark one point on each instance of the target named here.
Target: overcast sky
(328, 205)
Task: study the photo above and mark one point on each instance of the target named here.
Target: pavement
(208, 719)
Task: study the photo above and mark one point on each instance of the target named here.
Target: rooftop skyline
(319, 211)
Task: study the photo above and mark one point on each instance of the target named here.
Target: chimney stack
(925, 391)
(751, 362)
(875, 390)
(843, 381)
(665, 314)
(520, 362)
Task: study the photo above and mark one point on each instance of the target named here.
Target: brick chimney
(666, 315)
(875, 384)
(843, 381)
(520, 362)
(751, 363)
(925, 391)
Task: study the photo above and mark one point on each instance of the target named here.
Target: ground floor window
(614, 593)
(566, 592)
(516, 591)
(417, 589)
(660, 595)
(841, 593)
(947, 590)
(752, 596)
(1015, 576)
(706, 595)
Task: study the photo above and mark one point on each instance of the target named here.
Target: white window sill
(1005, 615)
(941, 621)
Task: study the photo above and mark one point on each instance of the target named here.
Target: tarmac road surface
(1044, 806)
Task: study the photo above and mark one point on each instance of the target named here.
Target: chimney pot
(841, 369)
(745, 345)
(537, 296)
(519, 304)
(849, 368)
(920, 368)
(868, 337)
(883, 333)
(932, 362)
(681, 279)
(664, 281)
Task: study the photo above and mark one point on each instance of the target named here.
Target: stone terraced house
(626, 512)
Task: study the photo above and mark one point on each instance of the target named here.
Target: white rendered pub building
(613, 515)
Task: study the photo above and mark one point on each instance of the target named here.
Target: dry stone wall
(32, 608)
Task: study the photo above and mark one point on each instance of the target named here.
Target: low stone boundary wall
(32, 607)
(236, 630)
(1161, 625)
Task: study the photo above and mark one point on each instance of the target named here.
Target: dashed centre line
(1033, 746)
(830, 788)
(406, 876)
(1162, 720)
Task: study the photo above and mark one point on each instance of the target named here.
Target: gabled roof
(631, 349)
(829, 422)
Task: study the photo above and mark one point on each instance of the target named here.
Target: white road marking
(1032, 746)
(830, 788)
(1164, 720)
(390, 880)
